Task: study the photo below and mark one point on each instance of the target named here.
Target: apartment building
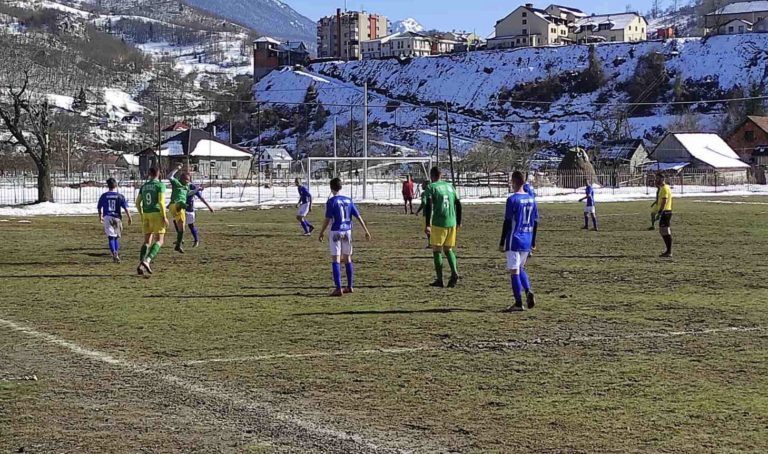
(620, 27)
(749, 12)
(401, 45)
(341, 35)
(529, 26)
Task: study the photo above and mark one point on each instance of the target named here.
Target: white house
(275, 160)
(404, 44)
(699, 151)
(736, 26)
(621, 27)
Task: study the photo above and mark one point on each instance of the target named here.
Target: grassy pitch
(625, 352)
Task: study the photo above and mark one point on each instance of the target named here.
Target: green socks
(153, 251)
(438, 264)
(143, 252)
(452, 262)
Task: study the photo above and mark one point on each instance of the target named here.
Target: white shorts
(589, 210)
(113, 227)
(516, 260)
(340, 243)
(303, 210)
(190, 217)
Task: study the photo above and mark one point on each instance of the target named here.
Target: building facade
(341, 35)
(269, 54)
(750, 135)
(622, 27)
(752, 12)
(400, 45)
(527, 26)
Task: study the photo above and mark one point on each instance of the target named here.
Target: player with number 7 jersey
(517, 238)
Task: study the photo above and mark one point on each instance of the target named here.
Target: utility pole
(69, 156)
(335, 147)
(437, 137)
(450, 148)
(258, 152)
(365, 140)
(159, 133)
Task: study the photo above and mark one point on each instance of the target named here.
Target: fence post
(716, 187)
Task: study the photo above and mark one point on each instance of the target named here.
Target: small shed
(207, 156)
(628, 155)
(750, 134)
(275, 161)
(701, 152)
(129, 164)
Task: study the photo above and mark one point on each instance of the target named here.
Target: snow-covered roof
(275, 154)
(710, 149)
(131, 159)
(738, 20)
(618, 21)
(214, 149)
(662, 166)
(742, 8)
(266, 39)
(619, 150)
(567, 9)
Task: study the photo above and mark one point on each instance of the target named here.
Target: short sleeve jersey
(198, 192)
(179, 191)
(150, 196)
(110, 204)
(304, 195)
(665, 193)
(520, 212)
(590, 193)
(340, 210)
(443, 197)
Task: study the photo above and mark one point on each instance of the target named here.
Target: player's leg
(593, 214)
(145, 247)
(179, 219)
(586, 220)
(191, 217)
(436, 240)
(346, 259)
(513, 266)
(334, 242)
(665, 228)
(449, 248)
(109, 231)
(525, 282)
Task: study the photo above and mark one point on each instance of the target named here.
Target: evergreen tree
(81, 101)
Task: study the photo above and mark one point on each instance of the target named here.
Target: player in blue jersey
(589, 208)
(109, 206)
(516, 240)
(305, 207)
(195, 192)
(339, 211)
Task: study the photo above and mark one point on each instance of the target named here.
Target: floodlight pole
(335, 146)
(365, 140)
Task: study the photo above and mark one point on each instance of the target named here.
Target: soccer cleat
(145, 265)
(196, 244)
(179, 249)
(666, 255)
(651, 228)
(306, 234)
(140, 270)
(348, 290)
(530, 299)
(337, 293)
(438, 283)
(453, 280)
(585, 228)
(116, 259)
(311, 229)
(514, 308)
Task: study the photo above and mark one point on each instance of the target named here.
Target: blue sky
(479, 15)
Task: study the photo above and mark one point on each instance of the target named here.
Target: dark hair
(111, 183)
(424, 184)
(435, 173)
(185, 175)
(661, 177)
(336, 185)
(518, 178)
(297, 181)
(153, 173)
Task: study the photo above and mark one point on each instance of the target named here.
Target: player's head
(153, 173)
(336, 185)
(410, 178)
(518, 180)
(297, 181)
(435, 174)
(185, 178)
(111, 184)
(660, 179)
(424, 184)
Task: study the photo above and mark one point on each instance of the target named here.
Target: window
(562, 32)
(525, 21)
(524, 40)
(642, 30)
(234, 164)
(525, 14)
(213, 164)
(525, 31)
(730, 29)
(554, 30)
(749, 136)
(613, 38)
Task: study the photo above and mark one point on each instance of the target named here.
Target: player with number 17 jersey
(521, 213)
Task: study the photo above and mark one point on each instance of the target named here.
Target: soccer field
(236, 347)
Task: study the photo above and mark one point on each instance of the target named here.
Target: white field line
(197, 389)
(475, 345)
(730, 202)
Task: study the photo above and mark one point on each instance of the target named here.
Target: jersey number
(148, 198)
(112, 205)
(345, 214)
(527, 213)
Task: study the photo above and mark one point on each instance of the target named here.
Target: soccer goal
(372, 178)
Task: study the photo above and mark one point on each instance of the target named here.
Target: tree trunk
(44, 186)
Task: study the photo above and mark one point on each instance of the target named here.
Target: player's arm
(535, 224)
(507, 226)
(125, 208)
(139, 206)
(99, 208)
(428, 214)
(172, 175)
(457, 204)
(662, 205)
(310, 201)
(205, 202)
(326, 222)
(163, 210)
(357, 215)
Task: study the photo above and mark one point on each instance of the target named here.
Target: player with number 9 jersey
(151, 204)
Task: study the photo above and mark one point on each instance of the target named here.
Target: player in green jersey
(151, 206)
(443, 220)
(180, 190)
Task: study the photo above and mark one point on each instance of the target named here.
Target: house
(621, 27)
(736, 27)
(628, 155)
(752, 12)
(269, 54)
(400, 45)
(748, 136)
(340, 35)
(527, 26)
(207, 156)
(174, 129)
(446, 43)
(568, 13)
(701, 152)
(275, 161)
(129, 164)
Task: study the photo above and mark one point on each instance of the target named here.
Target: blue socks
(114, 245)
(517, 289)
(350, 275)
(524, 280)
(194, 231)
(336, 274)
(305, 226)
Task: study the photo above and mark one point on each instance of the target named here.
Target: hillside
(269, 17)
(541, 93)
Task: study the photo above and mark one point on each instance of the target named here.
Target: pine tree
(81, 101)
(755, 105)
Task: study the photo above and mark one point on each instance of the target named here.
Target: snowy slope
(470, 84)
(406, 25)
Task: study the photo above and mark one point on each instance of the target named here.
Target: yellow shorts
(444, 237)
(178, 214)
(152, 223)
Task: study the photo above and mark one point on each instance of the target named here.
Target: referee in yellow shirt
(664, 205)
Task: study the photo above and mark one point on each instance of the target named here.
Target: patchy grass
(592, 368)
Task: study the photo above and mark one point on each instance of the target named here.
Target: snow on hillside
(471, 84)
(406, 25)
(685, 24)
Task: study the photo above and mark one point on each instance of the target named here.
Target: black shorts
(665, 220)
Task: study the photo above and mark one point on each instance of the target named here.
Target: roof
(178, 126)
(661, 166)
(709, 149)
(131, 159)
(742, 8)
(575, 11)
(760, 122)
(275, 154)
(618, 21)
(196, 142)
(266, 39)
(623, 149)
(739, 20)
(536, 11)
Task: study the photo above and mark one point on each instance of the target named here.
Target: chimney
(529, 5)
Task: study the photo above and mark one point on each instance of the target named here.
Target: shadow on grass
(57, 276)
(243, 295)
(439, 310)
(321, 287)
(257, 235)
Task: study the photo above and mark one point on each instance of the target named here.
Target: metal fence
(86, 189)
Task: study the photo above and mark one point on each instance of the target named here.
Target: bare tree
(28, 123)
